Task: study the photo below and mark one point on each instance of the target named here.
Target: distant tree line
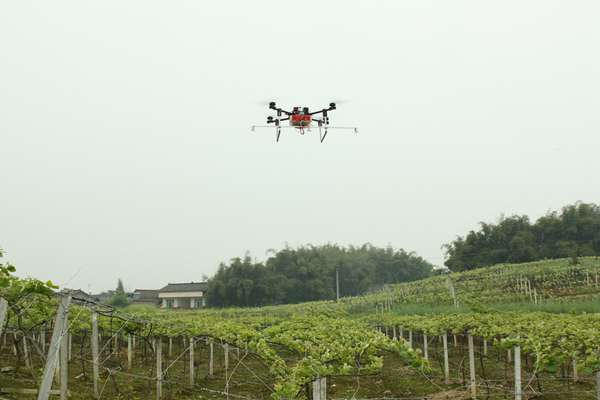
(571, 232)
(306, 273)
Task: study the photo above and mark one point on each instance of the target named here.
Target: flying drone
(301, 119)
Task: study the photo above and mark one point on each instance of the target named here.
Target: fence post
(316, 386)
(446, 364)
(64, 360)
(70, 346)
(3, 312)
(323, 388)
(26, 352)
(60, 328)
(95, 356)
(129, 352)
(518, 389)
(191, 361)
(473, 381)
(158, 350)
(210, 359)
(43, 340)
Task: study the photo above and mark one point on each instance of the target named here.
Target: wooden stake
(485, 347)
(473, 379)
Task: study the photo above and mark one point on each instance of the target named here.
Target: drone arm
(331, 108)
(280, 110)
(272, 121)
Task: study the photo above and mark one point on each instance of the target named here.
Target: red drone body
(301, 119)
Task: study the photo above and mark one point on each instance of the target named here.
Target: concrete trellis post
(58, 336)
(226, 355)
(485, 347)
(43, 340)
(129, 352)
(319, 386)
(26, 352)
(575, 372)
(70, 346)
(410, 338)
(64, 361)
(597, 372)
(159, 373)
(394, 333)
(316, 389)
(210, 358)
(425, 347)
(170, 347)
(446, 363)
(472, 377)
(192, 361)
(518, 389)
(3, 312)
(95, 355)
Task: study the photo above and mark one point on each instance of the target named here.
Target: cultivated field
(510, 331)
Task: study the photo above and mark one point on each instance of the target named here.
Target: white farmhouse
(183, 295)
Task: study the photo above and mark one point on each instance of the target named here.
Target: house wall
(182, 302)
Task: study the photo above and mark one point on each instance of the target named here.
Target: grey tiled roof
(185, 287)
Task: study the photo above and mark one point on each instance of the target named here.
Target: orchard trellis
(100, 333)
(298, 350)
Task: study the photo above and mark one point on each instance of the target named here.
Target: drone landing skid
(322, 130)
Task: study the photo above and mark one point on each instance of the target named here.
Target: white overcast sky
(125, 148)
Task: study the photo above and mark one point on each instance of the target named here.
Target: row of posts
(59, 353)
(518, 392)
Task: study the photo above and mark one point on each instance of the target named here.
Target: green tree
(119, 299)
(571, 232)
(306, 273)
